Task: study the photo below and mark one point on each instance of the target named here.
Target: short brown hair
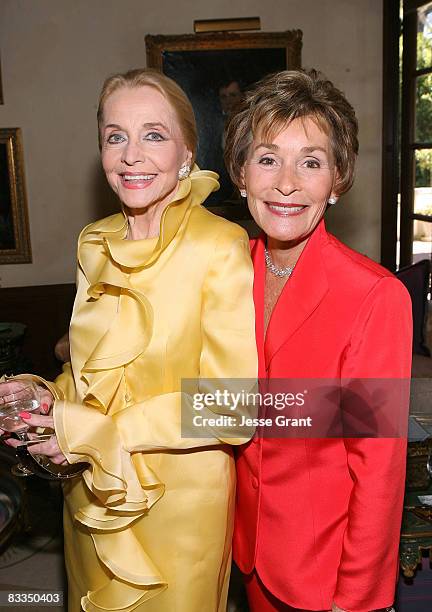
(141, 77)
(280, 98)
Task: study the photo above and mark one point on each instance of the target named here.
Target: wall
(55, 56)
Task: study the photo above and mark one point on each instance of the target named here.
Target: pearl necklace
(281, 272)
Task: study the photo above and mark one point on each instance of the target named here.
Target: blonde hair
(280, 98)
(141, 77)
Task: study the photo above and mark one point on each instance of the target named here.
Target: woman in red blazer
(318, 520)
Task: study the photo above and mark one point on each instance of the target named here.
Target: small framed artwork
(215, 69)
(14, 226)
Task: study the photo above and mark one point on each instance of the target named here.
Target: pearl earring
(243, 193)
(184, 172)
(332, 201)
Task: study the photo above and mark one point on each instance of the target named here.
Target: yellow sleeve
(65, 383)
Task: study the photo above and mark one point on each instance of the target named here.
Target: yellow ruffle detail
(123, 484)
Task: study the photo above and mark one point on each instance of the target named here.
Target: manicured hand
(49, 447)
(12, 386)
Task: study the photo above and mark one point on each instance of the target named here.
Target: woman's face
(290, 179)
(142, 147)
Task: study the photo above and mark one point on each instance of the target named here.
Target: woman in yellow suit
(164, 294)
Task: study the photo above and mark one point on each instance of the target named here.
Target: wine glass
(24, 398)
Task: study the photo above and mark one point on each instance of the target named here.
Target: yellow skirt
(186, 533)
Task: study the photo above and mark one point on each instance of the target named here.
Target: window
(416, 133)
(406, 234)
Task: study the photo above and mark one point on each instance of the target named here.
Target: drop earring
(332, 201)
(243, 193)
(184, 172)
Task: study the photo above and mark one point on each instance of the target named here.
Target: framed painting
(14, 226)
(1, 87)
(215, 69)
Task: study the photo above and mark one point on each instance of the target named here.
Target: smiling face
(289, 180)
(142, 147)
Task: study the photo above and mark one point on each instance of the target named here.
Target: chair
(416, 279)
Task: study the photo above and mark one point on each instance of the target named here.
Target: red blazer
(319, 519)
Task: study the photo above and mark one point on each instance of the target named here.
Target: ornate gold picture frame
(14, 225)
(214, 69)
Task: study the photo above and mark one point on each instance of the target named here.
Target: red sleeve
(380, 348)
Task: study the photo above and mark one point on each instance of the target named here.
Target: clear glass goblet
(24, 398)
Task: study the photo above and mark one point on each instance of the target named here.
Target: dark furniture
(45, 310)
(416, 532)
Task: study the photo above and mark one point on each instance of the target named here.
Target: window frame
(399, 175)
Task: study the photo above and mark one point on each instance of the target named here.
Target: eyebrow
(145, 125)
(274, 147)
(315, 148)
(266, 145)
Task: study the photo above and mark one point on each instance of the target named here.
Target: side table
(416, 532)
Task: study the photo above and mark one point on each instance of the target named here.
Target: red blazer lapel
(301, 295)
(257, 253)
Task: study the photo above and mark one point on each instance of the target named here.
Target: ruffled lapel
(139, 254)
(108, 261)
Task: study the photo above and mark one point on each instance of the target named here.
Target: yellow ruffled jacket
(149, 525)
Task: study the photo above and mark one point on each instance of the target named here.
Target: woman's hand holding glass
(45, 444)
(13, 385)
(20, 402)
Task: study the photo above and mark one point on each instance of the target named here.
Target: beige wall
(55, 56)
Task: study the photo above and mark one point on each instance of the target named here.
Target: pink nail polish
(24, 415)
(45, 407)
